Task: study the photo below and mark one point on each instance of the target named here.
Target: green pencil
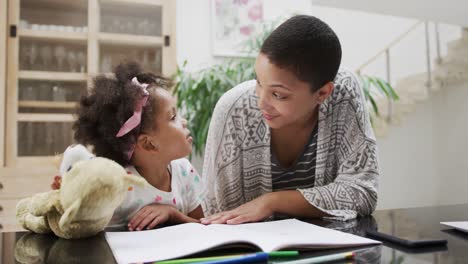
(283, 254)
(272, 254)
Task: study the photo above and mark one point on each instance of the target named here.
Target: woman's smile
(269, 116)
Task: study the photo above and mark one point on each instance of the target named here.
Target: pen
(257, 257)
(333, 257)
(272, 254)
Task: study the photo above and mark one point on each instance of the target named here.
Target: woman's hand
(56, 183)
(154, 214)
(256, 210)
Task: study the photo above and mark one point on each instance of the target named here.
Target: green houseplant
(198, 92)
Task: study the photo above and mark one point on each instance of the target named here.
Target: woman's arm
(290, 203)
(349, 186)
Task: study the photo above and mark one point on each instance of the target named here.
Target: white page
(170, 242)
(181, 240)
(460, 226)
(293, 233)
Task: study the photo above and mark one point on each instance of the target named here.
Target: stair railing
(386, 52)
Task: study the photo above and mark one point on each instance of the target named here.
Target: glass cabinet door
(131, 33)
(58, 47)
(47, 73)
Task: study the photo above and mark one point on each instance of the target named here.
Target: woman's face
(284, 99)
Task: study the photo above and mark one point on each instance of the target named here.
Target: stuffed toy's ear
(69, 214)
(132, 179)
(73, 154)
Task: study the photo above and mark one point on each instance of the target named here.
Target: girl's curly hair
(110, 102)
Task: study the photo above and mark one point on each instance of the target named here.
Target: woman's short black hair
(307, 47)
(110, 102)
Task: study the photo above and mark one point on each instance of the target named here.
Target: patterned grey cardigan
(237, 165)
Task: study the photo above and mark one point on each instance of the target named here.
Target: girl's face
(284, 99)
(171, 136)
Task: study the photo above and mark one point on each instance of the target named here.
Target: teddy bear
(91, 189)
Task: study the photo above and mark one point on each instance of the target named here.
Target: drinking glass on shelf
(43, 92)
(155, 27)
(58, 93)
(28, 136)
(116, 25)
(145, 59)
(45, 132)
(133, 55)
(142, 27)
(72, 60)
(157, 60)
(29, 93)
(46, 56)
(106, 63)
(24, 57)
(81, 59)
(60, 54)
(130, 27)
(104, 26)
(32, 56)
(23, 24)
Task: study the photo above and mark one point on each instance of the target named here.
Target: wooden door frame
(169, 53)
(11, 125)
(3, 62)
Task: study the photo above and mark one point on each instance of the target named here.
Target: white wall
(448, 11)
(362, 34)
(424, 159)
(193, 33)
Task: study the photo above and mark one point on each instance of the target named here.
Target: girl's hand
(253, 211)
(56, 183)
(154, 214)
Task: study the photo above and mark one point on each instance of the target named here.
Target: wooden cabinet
(50, 51)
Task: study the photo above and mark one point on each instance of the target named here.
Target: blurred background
(412, 61)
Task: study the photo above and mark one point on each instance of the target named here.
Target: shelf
(47, 104)
(130, 40)
(53, 76)
(45, 117)
(37, 161)
(134, 2)
(44, 167)
(76, 5)
(58, 36)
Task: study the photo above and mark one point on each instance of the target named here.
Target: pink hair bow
(135, 119)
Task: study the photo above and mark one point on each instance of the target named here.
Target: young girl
(132, 119)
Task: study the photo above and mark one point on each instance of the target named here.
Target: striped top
(301, 174)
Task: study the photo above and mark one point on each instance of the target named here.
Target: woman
(296, 141)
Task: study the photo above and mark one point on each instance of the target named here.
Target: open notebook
(185, 239)
(460, 226)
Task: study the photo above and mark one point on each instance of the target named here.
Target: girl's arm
(153, 215)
